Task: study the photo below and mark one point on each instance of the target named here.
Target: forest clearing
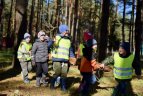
(14, 86)
(35, 31)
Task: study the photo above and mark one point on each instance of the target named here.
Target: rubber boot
(63, 84)
(57, 82)
(43, 79)
(38, 81)
(26, 80)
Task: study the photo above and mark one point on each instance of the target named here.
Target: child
(40, 57)
(88, 65)
(24, 56)
(87, 35)
(60, 56)
(123, 69)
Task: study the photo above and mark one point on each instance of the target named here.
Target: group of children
(38, 54)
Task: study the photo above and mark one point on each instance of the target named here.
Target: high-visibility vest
(61, 49)
(123, 66)
(26, 56)
(81, 46)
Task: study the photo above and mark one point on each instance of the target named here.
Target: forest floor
(11, 84)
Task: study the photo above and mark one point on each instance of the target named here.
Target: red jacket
(88, 66)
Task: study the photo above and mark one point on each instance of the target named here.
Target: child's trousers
(88, 78)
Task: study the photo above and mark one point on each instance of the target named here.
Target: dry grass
(14, 86)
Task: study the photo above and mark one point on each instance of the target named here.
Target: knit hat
(125, 45)
(41, 33)
(91, 42)
(63, 28)
(87, 36)
(26, 35)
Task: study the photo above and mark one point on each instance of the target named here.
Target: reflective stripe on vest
(62, 48)
(123, 66)
(28, 47)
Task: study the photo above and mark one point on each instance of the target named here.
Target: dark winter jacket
(40, 51)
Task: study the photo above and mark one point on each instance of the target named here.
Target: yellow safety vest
(61, 49)
(26, 56)
(81, 46)
(123, 66)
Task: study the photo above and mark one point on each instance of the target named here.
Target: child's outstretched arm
(96, 65)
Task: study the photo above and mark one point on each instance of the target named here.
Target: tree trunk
(1, 8)
(70, 15)
(31, 17)
(58, 13)
(49, 12)
(132, 26)
(21, 24)
(123, 22)
(38, 16)
(9, 31)
(104, 30)
(138, 32)
(112, 35)
(9, 20)
(41, 15)
(66, 12)
(75, 20)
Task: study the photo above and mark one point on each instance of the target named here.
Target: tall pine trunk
(104, 30)
(31, 17)
(123, 22)
(75, 20)
(138, 32)
(38, 16)
(131, 34)
(1, 8)
(9, 29)
(21, 25)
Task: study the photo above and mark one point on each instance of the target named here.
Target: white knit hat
(41, 33)
(26, 35)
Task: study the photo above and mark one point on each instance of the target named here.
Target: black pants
(42, 67)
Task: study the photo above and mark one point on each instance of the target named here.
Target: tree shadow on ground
(3, 94)
(128, 91)
(92, 90)
(72, 80)
(10, 73)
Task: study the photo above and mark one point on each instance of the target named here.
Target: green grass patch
(6, 57)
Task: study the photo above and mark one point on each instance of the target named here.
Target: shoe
(41, 81)
(38, 81)
(26, 81)
(57, 82)
(22, 75)
(37, 85)
(63, 84)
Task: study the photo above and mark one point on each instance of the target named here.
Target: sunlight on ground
(14, 86)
